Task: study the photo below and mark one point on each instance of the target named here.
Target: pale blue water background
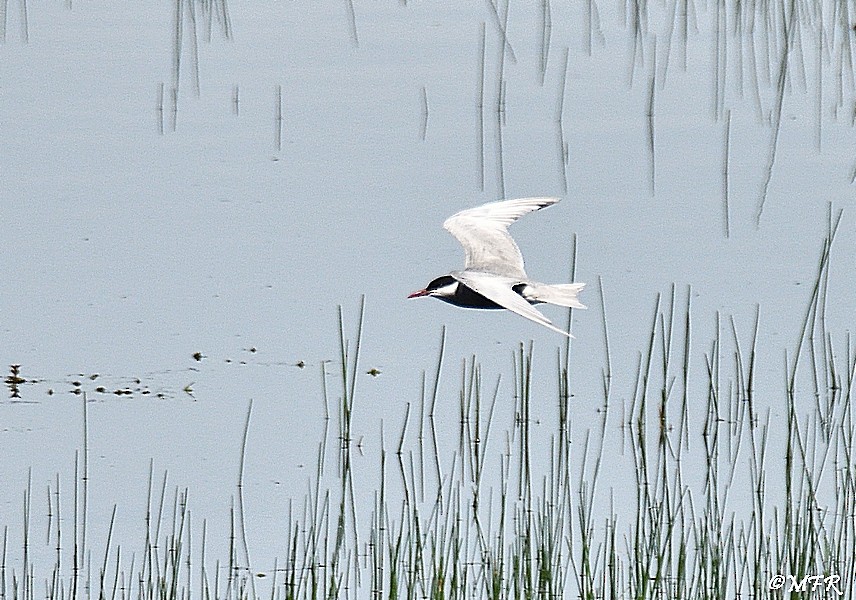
(125, 250)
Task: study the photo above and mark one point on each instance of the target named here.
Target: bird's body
(494, 276)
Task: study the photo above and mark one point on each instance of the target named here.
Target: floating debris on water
(13, 380)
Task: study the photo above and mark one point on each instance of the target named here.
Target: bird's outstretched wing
(499, 289)
(483, 232)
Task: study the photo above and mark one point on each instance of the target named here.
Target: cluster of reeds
(687, 488)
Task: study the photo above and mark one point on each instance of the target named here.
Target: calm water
(224, 191)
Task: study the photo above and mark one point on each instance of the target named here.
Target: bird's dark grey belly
(468, 298)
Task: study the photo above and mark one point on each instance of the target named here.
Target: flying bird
(493, 275)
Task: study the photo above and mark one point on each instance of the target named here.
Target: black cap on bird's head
(446, 281)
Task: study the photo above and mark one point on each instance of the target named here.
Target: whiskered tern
(493, 274)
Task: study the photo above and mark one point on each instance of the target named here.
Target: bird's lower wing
(499, 289)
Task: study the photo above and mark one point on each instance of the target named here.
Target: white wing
(499, 289)
(483, 232)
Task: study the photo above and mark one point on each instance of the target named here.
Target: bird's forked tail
(560, 294)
